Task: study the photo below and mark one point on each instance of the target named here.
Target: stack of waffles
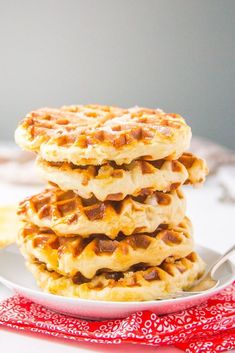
(111, 224)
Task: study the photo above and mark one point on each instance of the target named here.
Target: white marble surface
(214, 224)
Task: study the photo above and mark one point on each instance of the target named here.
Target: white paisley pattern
(207, 328)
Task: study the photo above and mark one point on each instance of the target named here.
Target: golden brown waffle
(196, 167)
(68, 214)
(87, 256)
(137, 285)
(93, 134)
(112, 182)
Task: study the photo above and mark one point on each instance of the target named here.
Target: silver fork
(207, 281)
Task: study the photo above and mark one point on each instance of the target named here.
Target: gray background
(178, 55)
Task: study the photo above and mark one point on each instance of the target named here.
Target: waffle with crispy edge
(112, 182)
(139, 284)
(87, 256)
(94, 134)
(68, 214)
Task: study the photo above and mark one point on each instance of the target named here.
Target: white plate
(15, 276)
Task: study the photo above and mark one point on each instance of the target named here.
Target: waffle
(196, 167)
(93, 134)
(8, 225)
(87, 256)
(106, 182)
(139, 284)
(68, 214)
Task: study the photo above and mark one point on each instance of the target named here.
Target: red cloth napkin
(208, 328)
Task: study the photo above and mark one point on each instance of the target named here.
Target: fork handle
(221, 260)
